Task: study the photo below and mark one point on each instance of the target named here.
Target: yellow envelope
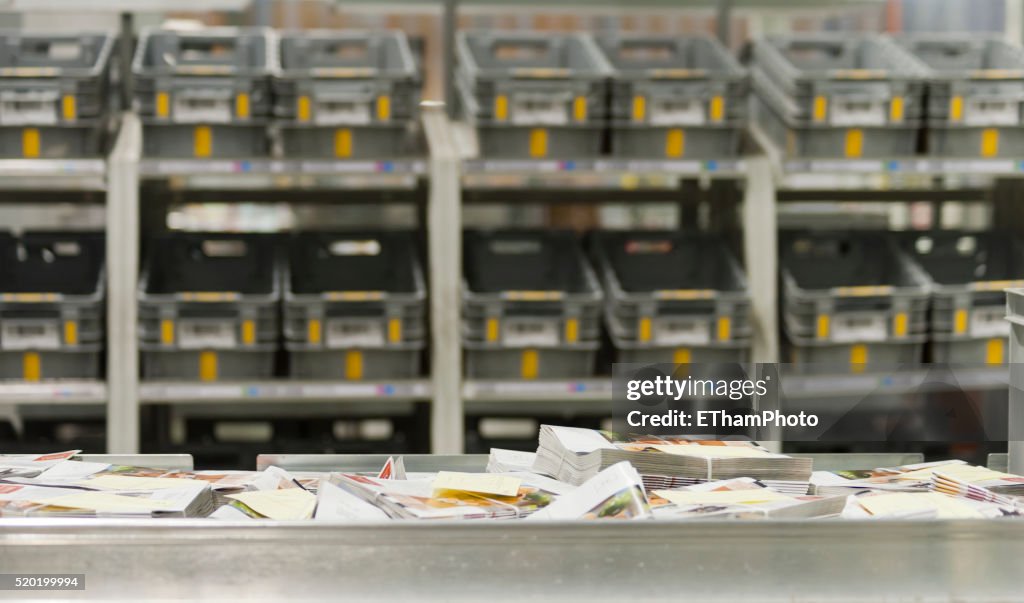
(290, 503)
(107, 502)
(904, 503)
(484, 483)
(128, 482)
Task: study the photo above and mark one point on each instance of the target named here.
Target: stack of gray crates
(851, 301)
(675, 97)
(51, 306)
(346, 94)
(531, 306)
(209, 307)
(204, 93)
(838, 95)
(673, 297)
(537, 95)
(969, 273)
(53, 94)
(975, 94)
(354, 306)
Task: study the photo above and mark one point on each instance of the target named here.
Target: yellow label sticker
(314, 330)
(538, 142)
(899, 324)
(675, 143)
(572, 330)
(501, 107)
(492, 329)
(823, 326)
(579, 108)
(820, 108)
(717, 109)
(30, 143)
(163, 104)
(202, 143)
(645, 329)
(854, 146)
(384, 107)
(960, 321)
(995, 351)
(31, 366)
(989, 142)
(167, 331)
(353, 365)
(249, 332)
(69, 107)
(242, 110)
(724, 328)
(71, 332)
(639, 108)
(342, 143)
(207, 366)
(395, 330)
(529, 364)
(682, 356)
(956, 108)
(304, 109)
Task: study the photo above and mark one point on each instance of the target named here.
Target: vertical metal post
(449, 24)
(760, 251)
(724, 21)
(1015, 415)
(122, 275)
(124, 44)
(444, 245)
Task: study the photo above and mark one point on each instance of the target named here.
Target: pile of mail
(576, 474)
(574, 455)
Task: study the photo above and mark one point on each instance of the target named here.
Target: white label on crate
(28, 108)
(989, 322)
(206, 334)
(991, 112)
(674, 332)
(30, 335)
(529, 332)
(859, 328)
(540, 109)
(677, 112)
(354, 333)
(202, 108)
(342, 112)
(857, 112)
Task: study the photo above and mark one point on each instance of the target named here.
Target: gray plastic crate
(53, 93)
(401, 361)
(204, 93)
(362, 289)
(51, 303)
(209, 292)
(533, 94)
(627, 349)
(528, 288)
(975, 94)
(669, 288)
(773, 111)
(970, 351)
(257, 362)
(674, 96)
(850, 287)
(969, 272)
(813, 356)
(346, 94)
(485, 361)
(80, 362)
(844, 80)
(205, 141)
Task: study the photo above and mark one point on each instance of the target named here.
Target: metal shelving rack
(442, 183)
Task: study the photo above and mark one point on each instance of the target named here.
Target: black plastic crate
(209, 293)
(354, 289)
(528, 288)
(671, 287)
